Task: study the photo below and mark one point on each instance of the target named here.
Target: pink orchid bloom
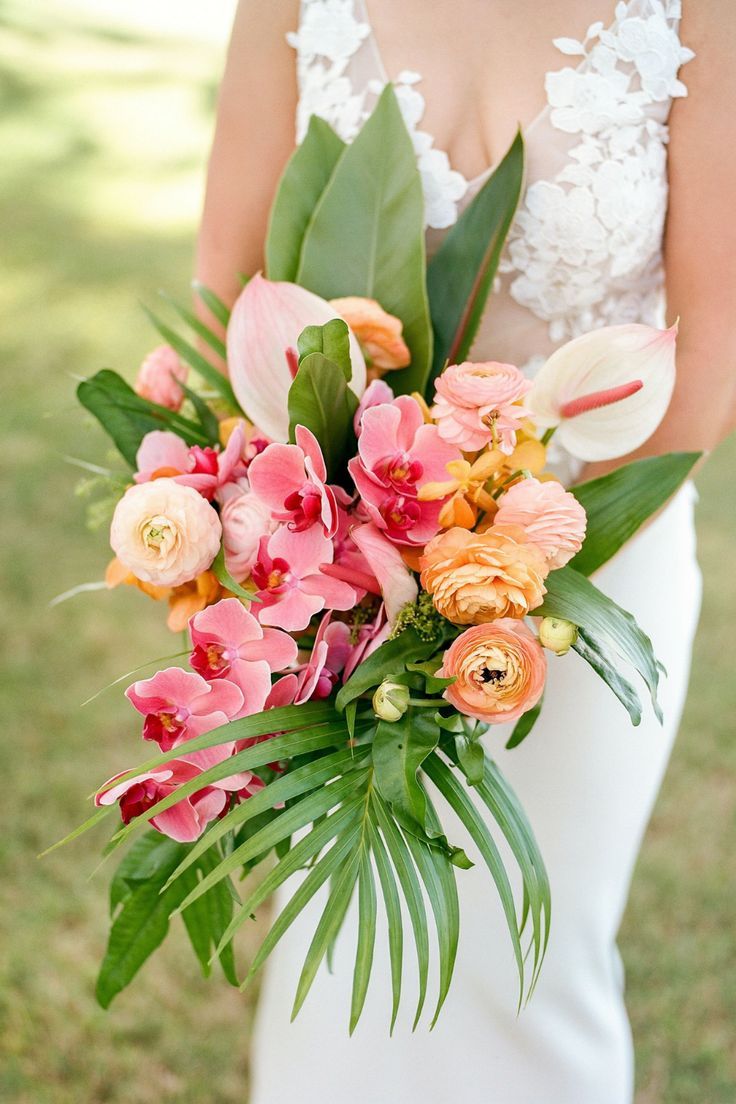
(398, 452)
(397, 583)
(179, 705)
(162, 453)
(330, 653)
(290, 480)
(187, 819)
(264, 329)
(229, 643)
(375, 393)
(291, 585)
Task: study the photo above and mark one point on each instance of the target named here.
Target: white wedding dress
(585, 250)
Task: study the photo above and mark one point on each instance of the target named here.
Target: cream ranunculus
(165, 533)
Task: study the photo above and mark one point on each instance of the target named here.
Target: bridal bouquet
(358, 530)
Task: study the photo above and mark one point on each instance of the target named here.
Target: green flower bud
(391, 701)
(557, 635)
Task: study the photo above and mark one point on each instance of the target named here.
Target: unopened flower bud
(391, 701)
(557, 635)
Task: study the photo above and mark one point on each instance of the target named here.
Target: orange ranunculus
(190, 598)
(478, 577)
(378, 332)
(499, 671)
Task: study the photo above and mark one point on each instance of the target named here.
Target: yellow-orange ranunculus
(499, 671)
(184, 601)
(378, 332)
(478, 577)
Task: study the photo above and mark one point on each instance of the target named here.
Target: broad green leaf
(471, 755)
(599, 657)
(388, 661)
(366, 234)
(411, 889)
(320, 399)
(328, 927)
(127, 418)
(458, 798)
(366, 937)
(208, 918)
(524, 725)
(392, 903)
(461, 272)
(143, 861)
(211, 375)
(139, 928)
(399, 749)
(619, 503)
(605, 628)
(302, 183)
(213, 303)
(332, 340)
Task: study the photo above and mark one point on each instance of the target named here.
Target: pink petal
(310, 446)
(397, 583)
(278, 649)
(172, 686)
(292, 612)
(223, 696)
(336, 594)
(160, 449)
(282, 692)
(304, 552)
(227, 621)
(276, 473)
(109, 797)
(254, 679)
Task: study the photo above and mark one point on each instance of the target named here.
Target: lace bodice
(585, 248)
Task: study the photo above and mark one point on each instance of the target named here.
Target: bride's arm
(254, 137)
(700, 241)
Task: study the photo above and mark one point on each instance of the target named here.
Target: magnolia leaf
(461, 272)
(333, 340)
(320, 399)
(366, 234)
(302, 183)
(619, 503)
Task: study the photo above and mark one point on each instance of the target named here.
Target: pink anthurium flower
(164, 454)
(228, 643)
(179, 705)
(291, 585)
(290, 480)
(397, 583)
(186, 820)
(398, 452)
(607, 391)
(264, 328)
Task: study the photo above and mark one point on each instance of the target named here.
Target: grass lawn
(104, 130)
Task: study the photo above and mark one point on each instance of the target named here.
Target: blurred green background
(106, 115)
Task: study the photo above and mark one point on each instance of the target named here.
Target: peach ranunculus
(551, 517)
(164, 532)
(478, 577)
(476, 404)
(499, 671)
(378, 332)
(159, 377)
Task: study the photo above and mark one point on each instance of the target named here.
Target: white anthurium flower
(262, 336)
(607, 391)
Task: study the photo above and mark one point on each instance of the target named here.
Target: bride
(631, 177)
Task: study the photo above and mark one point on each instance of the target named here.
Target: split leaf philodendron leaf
(304, 179)
(618, 504)
(320, 399)
(461, 273)
(366, 234)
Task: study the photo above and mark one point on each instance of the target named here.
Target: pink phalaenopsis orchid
(377, 392)
(397, 584)
(183, 821)
(292, 588)
(330, 653)
(264, 329)
(164, 454)
(290, 480)
(229, 643)
(398, 452)
(179, 705)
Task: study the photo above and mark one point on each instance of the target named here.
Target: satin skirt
(587, 780)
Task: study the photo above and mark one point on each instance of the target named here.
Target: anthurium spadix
(262, 335)
(607, 391)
